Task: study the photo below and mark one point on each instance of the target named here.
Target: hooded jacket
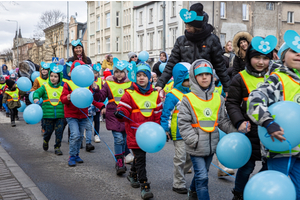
(5, 72)
(36, 85)
(156, 66)
(179, 73)
(199, 142)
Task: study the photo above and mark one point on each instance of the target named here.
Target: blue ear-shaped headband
(45, 65)
(56, 68)
(292, 39)
(264, 46)
(120, 64)
(97, 67)
(189, 16)
(76, 43)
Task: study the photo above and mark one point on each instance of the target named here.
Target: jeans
(243, 173)
(97, 123)
(89, 130)
(280, 164)
(200, 180)
(119, 141)
(56, 125)
(139, 165)
(77, 127)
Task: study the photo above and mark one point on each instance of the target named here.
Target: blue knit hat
(145, 68)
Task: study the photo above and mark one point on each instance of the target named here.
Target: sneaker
(57, 151)
(45, 145)
(180, 190)
(237, 195)
(89, 147)
(101, 118)
(192, 195)
(129, 158)
(13, 124)
(221, 173)
(78, 159)
(97, 139)
(17, 118)
(132, 178)
(145, 191)
(72, 162)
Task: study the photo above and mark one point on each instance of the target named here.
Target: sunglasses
(134, 56)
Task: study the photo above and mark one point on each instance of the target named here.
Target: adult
(228, 56)
(5, 70)
(108, 62)
(163, 58)
(132, 56)
(240, 42)
(198, 42)
(78, 53)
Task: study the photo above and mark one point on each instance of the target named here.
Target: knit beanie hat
(251, 52)
(106, 74)
(10, 83)
(198, 8)
(130, 54)
(145, 68)
(61, 62)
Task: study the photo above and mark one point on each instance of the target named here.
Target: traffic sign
(55, 59)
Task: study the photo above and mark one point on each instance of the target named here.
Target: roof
(54, 26)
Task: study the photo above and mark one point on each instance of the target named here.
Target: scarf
(201, 36)
(79, 57)
(144, 90)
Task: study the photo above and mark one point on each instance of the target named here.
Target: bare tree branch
(8, 54)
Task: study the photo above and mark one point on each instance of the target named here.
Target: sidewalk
(14, 183)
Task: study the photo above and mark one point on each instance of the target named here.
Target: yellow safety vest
(179, 96)
(65, 80)
(145, 103)
(13, 94)
(251, 82)
(53, 94)
(73, 86)
(2, 85)
(218, 89)
(99, 83)
(168, 87)
(42, 81)
(206, 111)
(117, 90)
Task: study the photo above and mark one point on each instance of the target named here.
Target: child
(2, 85)
(154, 78)
(96, 118)
(133, 105)
(200, 112)
(12, 97)
(218, 85)
(282, 85)
(53, 109)
(242, 85)
(182, 161)
(113, 89)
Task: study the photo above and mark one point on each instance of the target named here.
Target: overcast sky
(27, 14)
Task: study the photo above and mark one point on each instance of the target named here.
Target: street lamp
(17, 41)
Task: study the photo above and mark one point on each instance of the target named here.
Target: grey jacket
(198, 142)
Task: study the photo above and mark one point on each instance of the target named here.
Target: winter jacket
(111, 121)
(185, 50)
(36, 85)
(236, 105)
(229, 59)
(239, 64)
(156, 65)
(199, 142)
(12, 104)
(65, 74)
(107, 64)
(87, 58)
(50, 111)
(172, 101)
(270, 92)
(126, 105)
(5, 72)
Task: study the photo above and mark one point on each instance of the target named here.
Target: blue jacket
(179, 74)
(5, 72)
(65, 74)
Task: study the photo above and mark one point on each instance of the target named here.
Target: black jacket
(87, 58)
(156, 69)
(236, 106)
(185, 50)
(238, 65)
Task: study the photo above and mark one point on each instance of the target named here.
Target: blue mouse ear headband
(189, 16)
(264, 46)
(76, 43)
(45, 65)
(292, 39)
(56, 68)
(97, 67)
(120, 64)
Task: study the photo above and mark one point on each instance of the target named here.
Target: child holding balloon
(200, 112)
(281, 85)
(257, 63)
(139, 104)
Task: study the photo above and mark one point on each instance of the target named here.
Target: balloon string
(222, 170)
(246, 129)
(99, 136)
(129, 119)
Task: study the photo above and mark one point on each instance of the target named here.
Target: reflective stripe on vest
(206, 111)
(73, 86)
(99, 83)
(218, 90)
(251, 82)
(179, 96)
(42, 81)
(53, 94)
(145, 103)
(168, 87)
(13, 94)
(117, 90)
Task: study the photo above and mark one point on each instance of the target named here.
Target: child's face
(186, 83)
(96, 74)
(292, 59)
(154, 77)
(119, 74)
(204, 80)
(44, 72)
(260, 63)
(142, 79)
(54, 78)
(163, 57)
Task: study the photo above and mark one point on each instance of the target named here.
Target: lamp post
(17, 40)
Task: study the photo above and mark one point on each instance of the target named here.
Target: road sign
(55, 59)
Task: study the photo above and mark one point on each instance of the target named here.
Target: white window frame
(174, 31)
(290, 17)
(80, 33)
(150, 15)
(161, 11)
(173, 9)
(98, 3)
(245, 12)
(107, 44)
(151, 41)
(117, 19)
(223, 10)
(107, 17)
(270, 6)
(141, 42)
(117, 44)
(141, 18)
(98, 46)
(98, 23)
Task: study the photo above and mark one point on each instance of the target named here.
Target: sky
(27, 13)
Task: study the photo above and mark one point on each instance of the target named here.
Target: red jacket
(126, 105)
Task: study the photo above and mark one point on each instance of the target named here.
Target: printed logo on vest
(297, 98)
(15, 95)
(147, 104)
(207, 112)
(54, 94)
(120, 91)
(44, 83)
(259, 84)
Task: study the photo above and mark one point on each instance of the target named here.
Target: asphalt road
(95, 178)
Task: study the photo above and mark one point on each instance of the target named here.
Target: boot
(57, 151)
(132, 178)
(72, 162)
(89, 147)
(17, 118)
(237, 195)
(120, 167)
(221, 173)
(45, 145)
(78, 159)
(7, 114)
(192, 195)
(145, 191)
(13, 124)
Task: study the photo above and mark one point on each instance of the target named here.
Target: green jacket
(50, 111)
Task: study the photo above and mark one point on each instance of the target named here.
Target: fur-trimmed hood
(242, 34)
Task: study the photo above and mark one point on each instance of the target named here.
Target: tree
(8, 54)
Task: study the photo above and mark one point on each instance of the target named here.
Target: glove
(119, 114)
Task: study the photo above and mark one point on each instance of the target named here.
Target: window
(125, 43)
(270, 6)
(245, 12)
(173, 12)
(223, 39)
(117, 44)
(129, 16)
(72, 35)
(290, 17)
(151, 40)
(125, 17)
(141, 42)
(107, 20)
(80, 33)
(223, 10)
(117, 18)
(98, 23)
(107, 41)
(98, 46)
(98, 3)
(150, 15)
(161, 12)
(174, 30)
(141, 18)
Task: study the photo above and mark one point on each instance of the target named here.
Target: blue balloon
(270, 185)
(11, 71)
(31, 98)
(234, 150)
(33, 114)
(287, 115)
(221, 133)
(23, 106)
(82, 76)
(162, 67)
(24, 84)
(143, 56)
(34, 75)
(150, 137)
(82, 98)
